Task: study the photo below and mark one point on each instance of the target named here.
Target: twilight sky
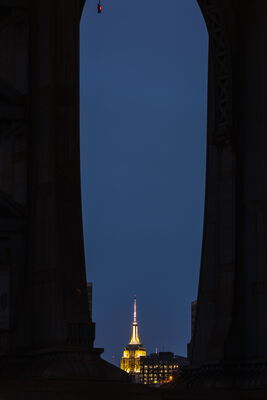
(143, 136)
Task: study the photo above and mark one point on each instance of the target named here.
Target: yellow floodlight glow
(130, 361)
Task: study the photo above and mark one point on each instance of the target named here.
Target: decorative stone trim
(221, 58)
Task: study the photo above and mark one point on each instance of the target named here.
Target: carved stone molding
(218, 263)
(222, 62)
(58, 364)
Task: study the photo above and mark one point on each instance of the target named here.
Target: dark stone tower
(229, 347)
(45, 324)
(41, 240)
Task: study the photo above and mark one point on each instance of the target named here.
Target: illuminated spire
(135, 338)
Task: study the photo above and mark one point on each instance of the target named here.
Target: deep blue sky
(143, 136)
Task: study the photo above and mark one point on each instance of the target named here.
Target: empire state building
(130, 361)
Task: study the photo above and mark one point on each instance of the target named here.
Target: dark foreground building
(159, 368)
(46, 335)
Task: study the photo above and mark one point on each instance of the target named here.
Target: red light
(99, 8)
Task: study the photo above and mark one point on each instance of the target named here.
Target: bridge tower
(45, 324)
(229, 347)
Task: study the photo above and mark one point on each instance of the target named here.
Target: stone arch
(220, 190)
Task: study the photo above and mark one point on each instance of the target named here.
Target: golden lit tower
(130, 361)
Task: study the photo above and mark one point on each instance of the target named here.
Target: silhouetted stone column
(59, 298)
(229, 347)
(46, 329)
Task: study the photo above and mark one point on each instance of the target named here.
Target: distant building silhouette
(90, 298)
(159, 368)
(193, 316)
(193, 324)
(130, 361)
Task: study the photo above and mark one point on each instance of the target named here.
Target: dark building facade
(159, 368)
